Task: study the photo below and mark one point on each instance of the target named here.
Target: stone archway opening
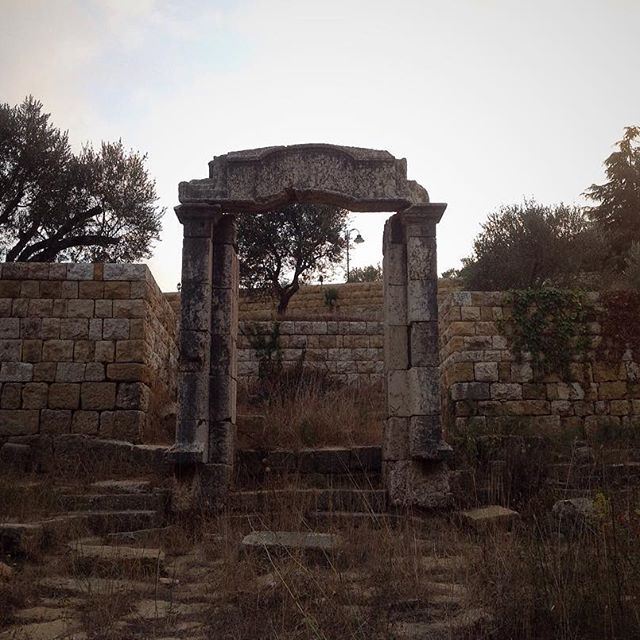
(259, 180)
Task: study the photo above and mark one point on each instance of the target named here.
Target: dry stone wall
(487, 390)
(84, 348)
(348, 351)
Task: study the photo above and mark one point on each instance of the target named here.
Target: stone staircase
(115, 546)
(118, 507)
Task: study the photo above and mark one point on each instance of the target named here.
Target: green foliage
(281, 249)
(331, 296)
(451, 273)
(267, 348)
(620, 326)
(550, 325)
(97, 205)
(370, 273)
(632, 266)
(617, 214)
(530, 245)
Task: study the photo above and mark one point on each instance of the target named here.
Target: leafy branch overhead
(279, 250)
(96, 205)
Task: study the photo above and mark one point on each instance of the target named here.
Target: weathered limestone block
(422, 300)
(123, 425)
(55, 421)
(424, 386)
(506, 391)
(486, 371)
(115, 329)
(130, 309)
(98, 395)
(398, 393)
(131, 351)
(417, 483)
(86, 422)
(261, 179)
(34, 395)
(133, 395)
(395, 445)
(70, 372)
(125, 271)
(11, 395)
(421, 258)
(396, 347)
(395, 308)
(116, 291)
(425, 438)
(80, 271)
(63, 395)
(16, 372)
(14, 422)
(424, 344)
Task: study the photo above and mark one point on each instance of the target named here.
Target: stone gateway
(257, 181)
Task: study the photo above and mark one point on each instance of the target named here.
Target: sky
(490, 101)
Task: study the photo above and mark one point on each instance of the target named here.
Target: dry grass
(376, 577)
(308, 411)
(579, 584)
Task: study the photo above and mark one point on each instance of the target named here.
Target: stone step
(114, 502)
(372, 500)
(105, 560)
(83, 586)
(104, 522)
(152, 536)
(314, 546)
(122, 486)
(491, 517)
(255, 463)
(469, 623)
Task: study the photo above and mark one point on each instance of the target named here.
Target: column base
(183, 455)
(415, 483)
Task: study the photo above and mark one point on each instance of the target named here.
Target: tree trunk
(285, 295)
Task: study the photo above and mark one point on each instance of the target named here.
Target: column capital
(421, 213)
(198, 219)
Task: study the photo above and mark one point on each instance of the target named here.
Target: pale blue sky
(489, 100)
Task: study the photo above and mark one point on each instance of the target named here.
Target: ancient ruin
(256, 181)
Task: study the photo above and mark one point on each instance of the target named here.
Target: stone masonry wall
(485, 389)
(84, 348)
(349, 351)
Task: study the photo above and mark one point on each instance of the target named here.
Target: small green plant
(549, 324)
(267, 348)
(331, 298)
(632, 266)
(620, 327)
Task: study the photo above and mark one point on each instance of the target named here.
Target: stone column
(223, 360)
(195, 334)
(413, 450)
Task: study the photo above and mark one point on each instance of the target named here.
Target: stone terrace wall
(356, 300)
(349, 351)
(84, 348)
(485, 389)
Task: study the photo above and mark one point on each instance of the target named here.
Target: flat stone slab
(67, 629)
(310, 543)
(83, 586)
(493, 516)
(117, 554)
(43, 614)
(122, 486)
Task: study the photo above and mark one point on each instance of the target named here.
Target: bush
(531, 245)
